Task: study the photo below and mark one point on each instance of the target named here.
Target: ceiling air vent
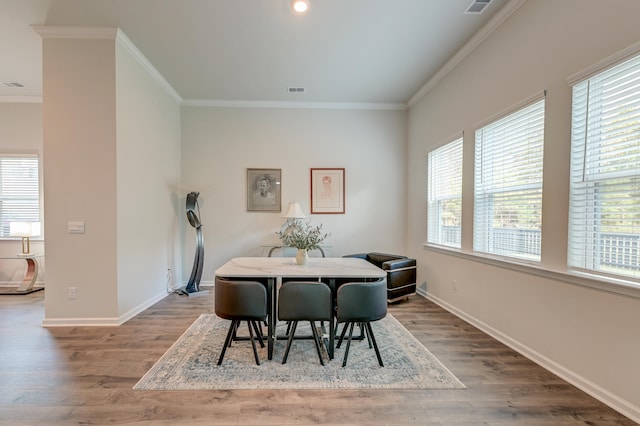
(295, 89)
(11, 84)
(477, 6)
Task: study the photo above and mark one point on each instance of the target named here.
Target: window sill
(610, 285)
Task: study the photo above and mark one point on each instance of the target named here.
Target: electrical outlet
(454, 285)
(72, 292)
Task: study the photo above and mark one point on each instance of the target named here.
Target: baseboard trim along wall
(104, 322)
(619, 404)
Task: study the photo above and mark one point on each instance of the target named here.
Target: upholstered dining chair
(361, 303)
(304, 301)
(241, 301)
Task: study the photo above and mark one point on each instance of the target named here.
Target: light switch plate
(75, 227)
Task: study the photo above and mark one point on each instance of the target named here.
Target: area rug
(190, 364)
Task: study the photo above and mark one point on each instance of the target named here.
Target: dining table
(275, 269)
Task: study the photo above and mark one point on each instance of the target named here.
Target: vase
(302, 256)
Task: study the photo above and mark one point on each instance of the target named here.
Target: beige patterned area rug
(190, 364)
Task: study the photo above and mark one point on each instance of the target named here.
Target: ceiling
(379, 52)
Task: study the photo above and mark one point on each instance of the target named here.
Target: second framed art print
(327, 191)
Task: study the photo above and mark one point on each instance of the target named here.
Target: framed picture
(327, 191)
(263, 190)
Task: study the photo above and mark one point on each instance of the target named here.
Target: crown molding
(127, 44)
(48, 31)
(109, 33)
(295, 105)
(20, 99)
(484, 32)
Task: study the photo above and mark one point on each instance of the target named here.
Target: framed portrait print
(263, 190)
(327, 191)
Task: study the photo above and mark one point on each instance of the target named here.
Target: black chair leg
(253, 343)
(227, 341)
(293, 325)
(344, 331)
(316, 340)
(346, 350)
(369, 331)
(258, 330)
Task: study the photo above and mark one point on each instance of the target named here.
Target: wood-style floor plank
(85, 375)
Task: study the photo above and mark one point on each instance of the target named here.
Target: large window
(444, 210)
(508, 184)
(19, 190)
(604, 216)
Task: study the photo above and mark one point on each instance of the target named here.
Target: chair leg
(227, 341)
(316, 340)
(363, 330)
(344, 331)
(373, 339)
(258, 330)
(293, 324)
(346, 350)
(253, 343)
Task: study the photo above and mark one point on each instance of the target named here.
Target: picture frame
(327, 191)
(264, 190)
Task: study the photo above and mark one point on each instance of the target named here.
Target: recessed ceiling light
(300, 6)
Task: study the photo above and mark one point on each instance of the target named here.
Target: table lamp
(294, 212)
(24, 230)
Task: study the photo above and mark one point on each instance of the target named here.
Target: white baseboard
(104, 322)
(603, 395)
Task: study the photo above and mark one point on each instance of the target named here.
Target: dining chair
(304, 301)
(241, 301)
(361, 303)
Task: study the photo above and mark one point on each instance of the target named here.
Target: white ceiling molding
(295, 105)
(20, 99)
(125, 42)
(108, 33)
(47, 31)
(495, 22)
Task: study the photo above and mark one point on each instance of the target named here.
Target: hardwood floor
(84, 376)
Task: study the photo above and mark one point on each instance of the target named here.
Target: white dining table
(274, 269)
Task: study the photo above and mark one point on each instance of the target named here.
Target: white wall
(20, 132)
(148, 159)
(586, 335)
(79, 112)
(111, 146)
(219, 144)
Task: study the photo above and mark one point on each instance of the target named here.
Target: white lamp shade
(24, 229)
(294, 212)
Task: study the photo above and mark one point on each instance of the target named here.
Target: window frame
(485, 196)
(593, 138)
(17, 183)
(449, 151)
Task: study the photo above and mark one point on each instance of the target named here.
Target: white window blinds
(508, 184)
(444, 209)
(604, 212)
(19, 190)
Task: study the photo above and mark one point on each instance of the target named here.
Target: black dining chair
(361, 303)
(241, 301)
(304, 301)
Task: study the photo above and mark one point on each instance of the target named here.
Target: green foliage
(301, 235)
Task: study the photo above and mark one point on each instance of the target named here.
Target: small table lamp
(25, 230)
(294, 212)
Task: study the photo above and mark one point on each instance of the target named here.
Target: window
(508, 184)
(444, 209)
(19, 190)
(604, 211)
